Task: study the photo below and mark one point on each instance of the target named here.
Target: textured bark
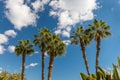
(23, 66)
(43, 57)
(50, 66)
(97, 53)
(84, 56)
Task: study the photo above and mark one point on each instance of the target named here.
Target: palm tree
(24, 48)
(56, 47)
(100, 30)
(83, 37)
(41, 40)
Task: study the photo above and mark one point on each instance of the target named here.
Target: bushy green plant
(104, 75)
(4, 75)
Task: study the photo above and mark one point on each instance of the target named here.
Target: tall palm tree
(41, 40)
(56, 47)
(83, 37)
(24, 48)
(100, 30)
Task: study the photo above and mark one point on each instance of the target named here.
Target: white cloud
(11, 33)
(11, 48)
(46, 54)
(3, 39)
(58, 31)
(70, 13)
(19, 14)
(67, 42)
(31, 65)
(66, 33)
(2, 49)
(38, 5)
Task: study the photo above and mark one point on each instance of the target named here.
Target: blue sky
(21, 19)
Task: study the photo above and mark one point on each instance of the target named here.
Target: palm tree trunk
(50, 66)
(23, 66)
(43, 57)
(84, 56)
(97, 52)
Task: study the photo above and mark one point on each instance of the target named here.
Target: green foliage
(100, 29)
(103, 75)
(42, 39)
(24, 47)
(4, 75)
(119, 61)
(50, 43)
(1, 78)
(56, 46)
(81, 34)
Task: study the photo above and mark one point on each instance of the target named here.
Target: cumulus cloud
(38, 5)
(19, 14)
(3, 39)
(70, 13)
(67, 42)
(11, 48)
(10, 33)
(2, 49)
(31, 65)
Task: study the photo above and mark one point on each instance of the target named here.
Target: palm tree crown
(42, 39)
(24, 47)
(56, 46)
(100, 29)
(82, 34)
